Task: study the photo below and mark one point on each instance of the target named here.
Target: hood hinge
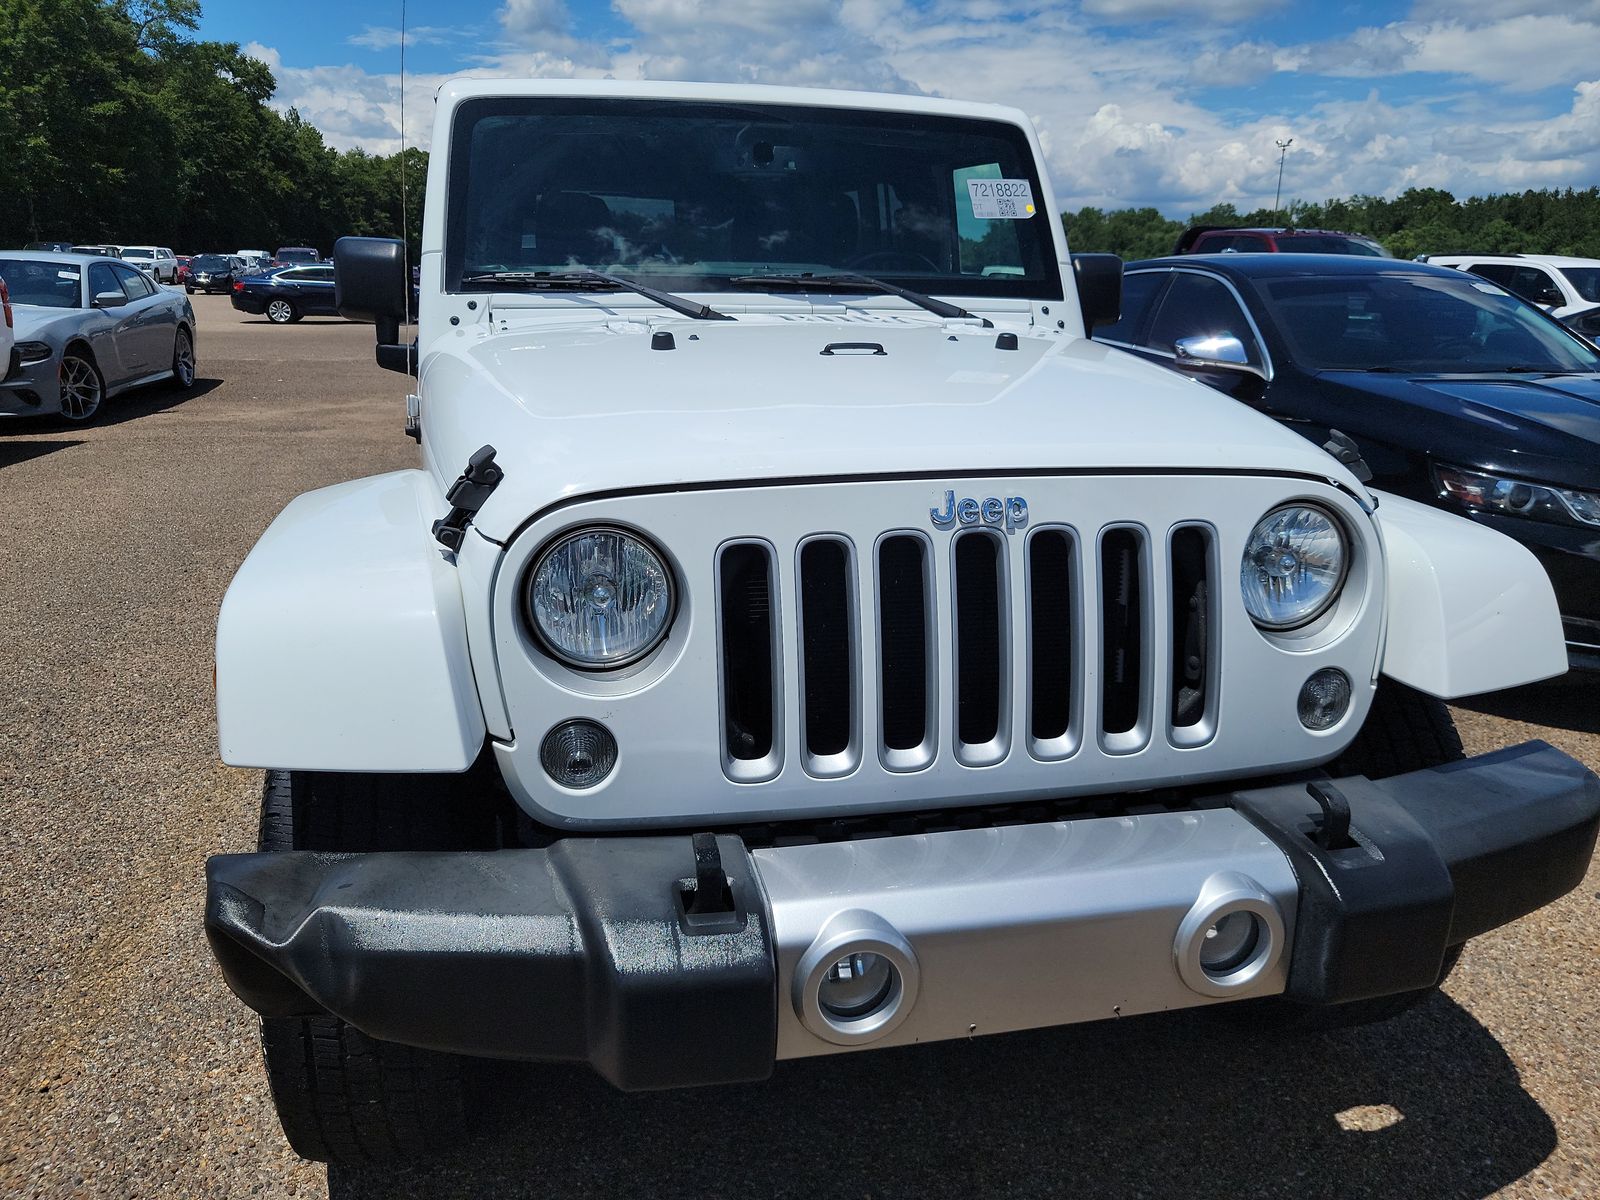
(466, 496)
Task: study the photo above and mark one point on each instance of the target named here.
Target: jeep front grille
(987, 625)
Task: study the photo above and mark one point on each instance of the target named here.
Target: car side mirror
(1551, 297)
(1099, 278)
(1213, 352)
(109, 299)
(370, 285)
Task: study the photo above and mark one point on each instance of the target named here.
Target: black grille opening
(1050, 630)
(1191, 617)
(978, 666)
(826, 646)
(1121, 595)
(903, 641)
(747, 649)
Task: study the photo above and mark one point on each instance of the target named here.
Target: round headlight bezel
(547, 644)
(1327, 603)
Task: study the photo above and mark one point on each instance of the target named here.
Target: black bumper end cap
(1431, 859)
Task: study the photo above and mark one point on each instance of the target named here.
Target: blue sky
(1160, 102)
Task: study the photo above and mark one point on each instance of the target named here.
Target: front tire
(83, 388)
(281, 312)
(344, 1097)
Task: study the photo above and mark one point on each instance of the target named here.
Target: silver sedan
(87, 329)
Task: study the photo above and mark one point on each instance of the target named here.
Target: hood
(1543, 426)
(580, 409)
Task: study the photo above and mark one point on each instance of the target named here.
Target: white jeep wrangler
(801, 638)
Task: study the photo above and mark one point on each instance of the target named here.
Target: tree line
(117, 125)
(1417, 221)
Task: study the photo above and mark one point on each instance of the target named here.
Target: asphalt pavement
(128, 1070)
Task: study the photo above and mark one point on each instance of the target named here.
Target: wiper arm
(565, 280)
(846, 281)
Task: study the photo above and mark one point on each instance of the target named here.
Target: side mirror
(1099, 279)
(109, 299)
(1213, 352)
(370, 285)
(1551, 297)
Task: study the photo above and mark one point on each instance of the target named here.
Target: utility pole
(1283, 151)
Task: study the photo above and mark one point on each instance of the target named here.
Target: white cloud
(1121, 118)
(1129, 12)
(385, 37)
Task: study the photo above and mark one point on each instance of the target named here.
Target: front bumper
(590, 950)
(32, 389)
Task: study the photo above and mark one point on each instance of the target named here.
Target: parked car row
(1451, 390)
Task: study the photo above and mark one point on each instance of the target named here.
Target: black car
(214, 273)
(287, 294)
(1455, 392)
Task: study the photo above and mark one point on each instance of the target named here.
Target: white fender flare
(341, 645)
(1469, 610)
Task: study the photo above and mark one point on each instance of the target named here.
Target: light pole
(1283, 152)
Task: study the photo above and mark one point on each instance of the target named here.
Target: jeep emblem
(1009, 514)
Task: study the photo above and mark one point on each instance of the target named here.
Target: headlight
(33, 352)
(1514, 497)
(1293, 566)
(600, 598)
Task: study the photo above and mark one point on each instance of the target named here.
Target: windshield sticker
(1001, 199)
(73, 275)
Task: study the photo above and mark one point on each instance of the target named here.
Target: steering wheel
(891, 259)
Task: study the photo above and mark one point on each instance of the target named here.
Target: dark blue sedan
(1455, 392)
(287, 294)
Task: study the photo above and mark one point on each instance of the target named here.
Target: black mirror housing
(369, 279)
(1099, 279)
(370, 284)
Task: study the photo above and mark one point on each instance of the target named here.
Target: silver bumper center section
(1024, 926)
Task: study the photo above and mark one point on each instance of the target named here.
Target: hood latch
(467, 495)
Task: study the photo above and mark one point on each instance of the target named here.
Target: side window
(289, 276)
(1533, 284)
(102, 279)
(1139, 290)
(1495, 272)
(1200, 306)
(1250, 243)
(317, 274)
(134, 285)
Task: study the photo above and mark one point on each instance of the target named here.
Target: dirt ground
(128, 1070)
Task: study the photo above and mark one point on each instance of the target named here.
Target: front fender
(341, 645)
(1469, 609)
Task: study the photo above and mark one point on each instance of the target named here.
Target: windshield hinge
(467, 495)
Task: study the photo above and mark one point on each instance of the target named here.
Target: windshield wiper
(848, 282)
(598, 280)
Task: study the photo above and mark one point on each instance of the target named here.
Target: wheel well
(83, 349)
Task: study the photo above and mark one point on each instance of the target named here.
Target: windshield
(297, 256)
(135, 253)
(1585, 281)
(1419, 323)
(46, 284)
(691, 195)
(211, 262)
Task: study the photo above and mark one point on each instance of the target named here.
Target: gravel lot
(129, 1070)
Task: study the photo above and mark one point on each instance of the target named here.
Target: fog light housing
(857, 981)
(1324, 699)
(578, 754)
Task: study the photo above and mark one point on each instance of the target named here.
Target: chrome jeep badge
(1009, 514)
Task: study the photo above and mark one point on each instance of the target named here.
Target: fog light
(578, 754)
(1324, 699)
(1230, 943)
(856, 986)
